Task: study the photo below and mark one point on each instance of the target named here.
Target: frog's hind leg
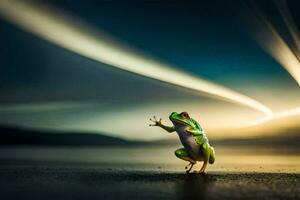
(212, 155)
(206, 155)
(183, 154)
(186, 167)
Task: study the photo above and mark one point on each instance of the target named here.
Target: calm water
(233, 159)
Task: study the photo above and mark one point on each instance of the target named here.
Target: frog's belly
(190, 144)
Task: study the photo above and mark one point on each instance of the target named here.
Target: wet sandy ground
(58, 182)
(145, 173)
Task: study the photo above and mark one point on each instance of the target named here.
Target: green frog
(196, 146)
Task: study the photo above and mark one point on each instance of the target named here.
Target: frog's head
(181, 119)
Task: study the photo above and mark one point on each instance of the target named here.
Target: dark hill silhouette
(22, 136)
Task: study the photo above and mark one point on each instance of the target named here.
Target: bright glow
(59, 29)
(288, 113)
(279, 115)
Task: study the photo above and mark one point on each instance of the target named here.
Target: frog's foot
(189, 167)
(202, 170)
(198, 172)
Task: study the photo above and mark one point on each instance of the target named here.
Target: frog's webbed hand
(158, 123)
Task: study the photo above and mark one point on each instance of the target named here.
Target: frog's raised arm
(170, 129)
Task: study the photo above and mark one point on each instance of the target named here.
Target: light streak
(272, 42)
(290, 24)
(60, 30)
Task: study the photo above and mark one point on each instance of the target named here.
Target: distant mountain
(270, 141)
(20, 136)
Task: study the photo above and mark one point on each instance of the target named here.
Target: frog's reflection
(194, 186)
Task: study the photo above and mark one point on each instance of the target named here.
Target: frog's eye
(185, 115)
